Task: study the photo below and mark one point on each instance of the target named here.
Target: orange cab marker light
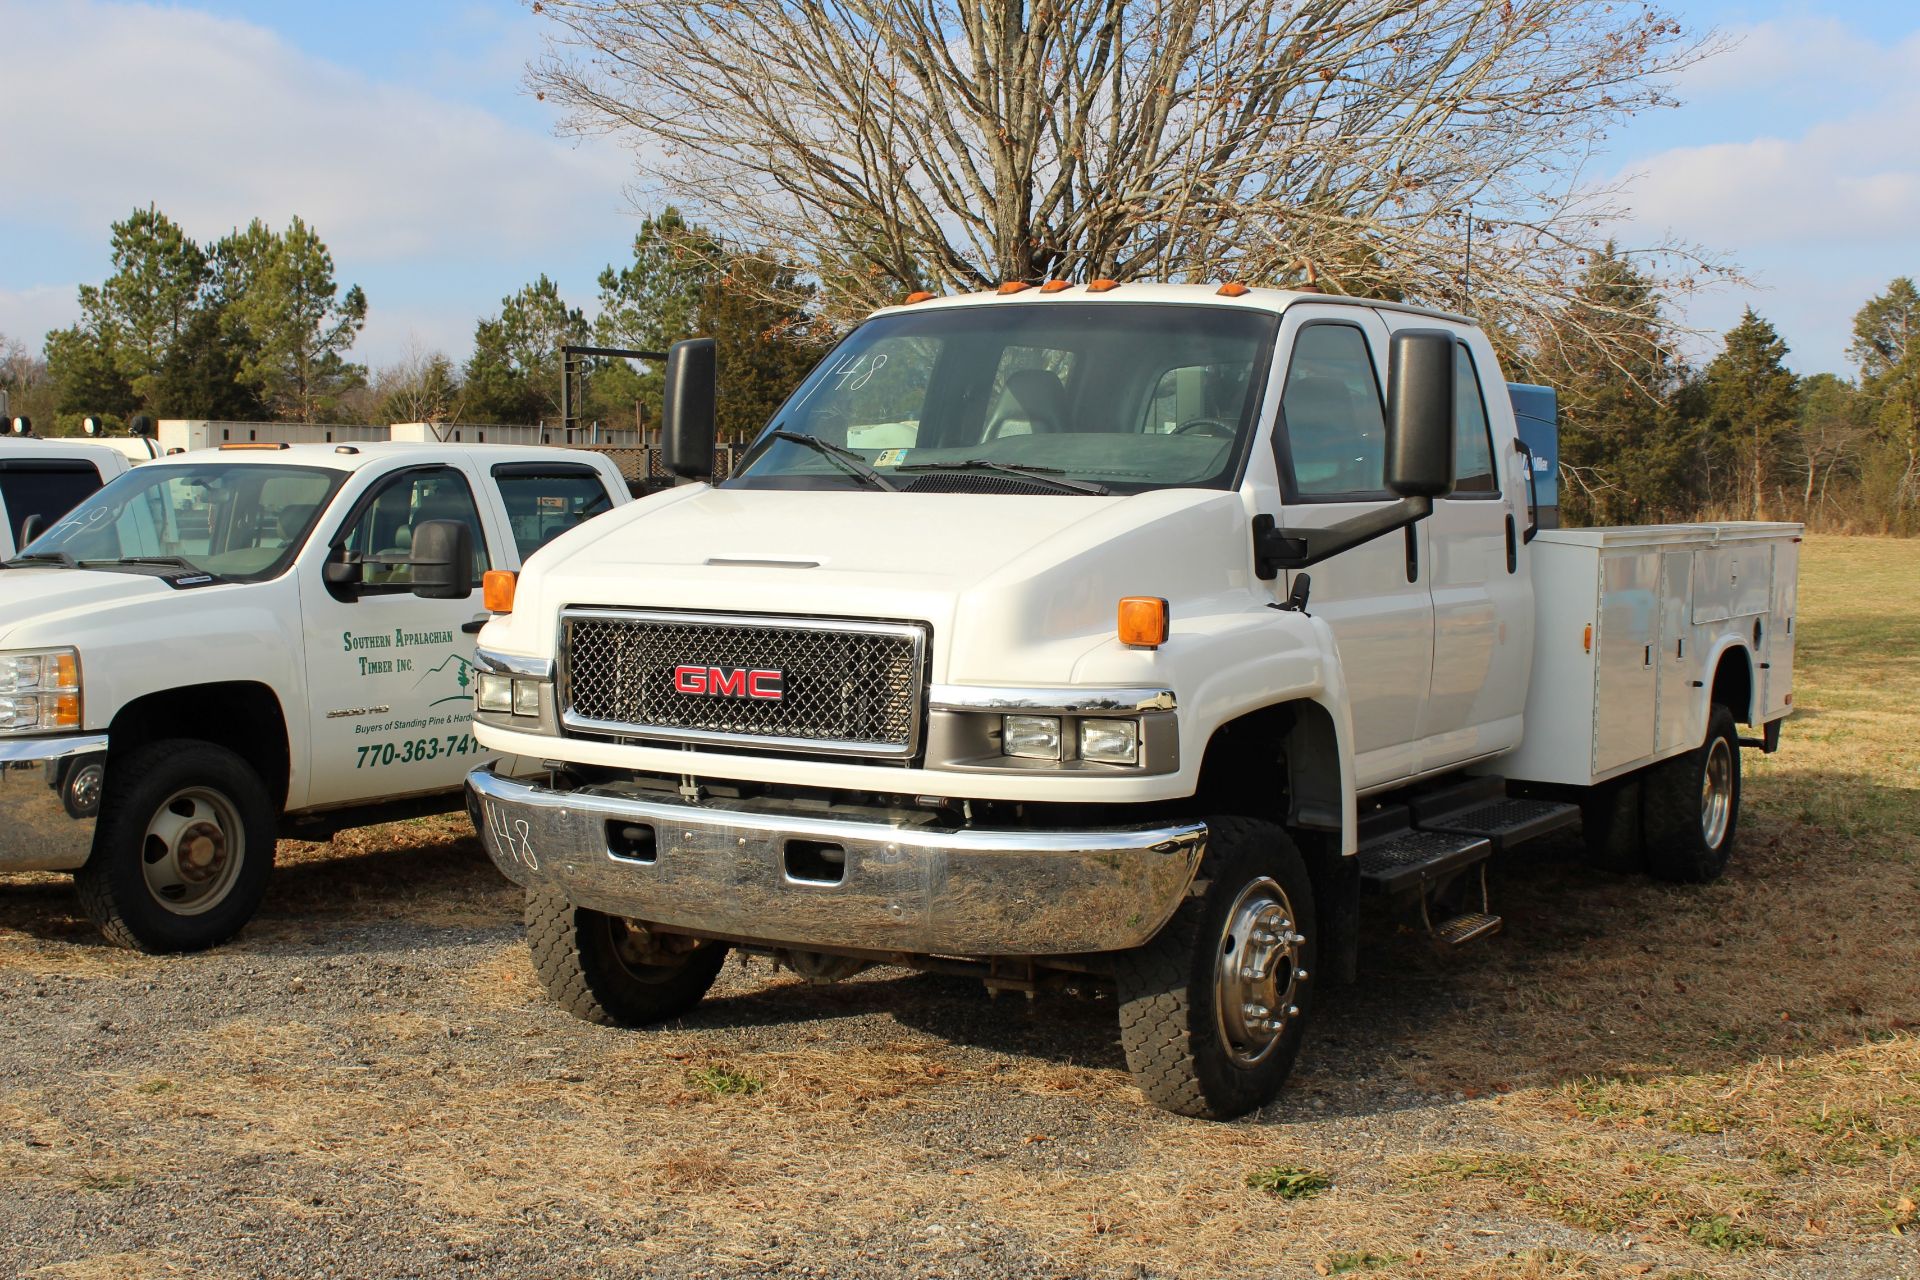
(1055, 286)
(1143, 621)
(1013, 286)
(918, 295)
(1231, 289)
(1102, 285)
(254, 444)
(496, 590)
(1588, 641)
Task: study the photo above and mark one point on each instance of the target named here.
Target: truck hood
(1015, 587)
(60, 601)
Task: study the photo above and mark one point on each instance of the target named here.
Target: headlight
(493, 693)
(1035, 737)
(39, 690)
(1110, 741)
(514, 693)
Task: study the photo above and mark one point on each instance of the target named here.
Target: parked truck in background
(41, 480)
(224, 645)
(1108, 635)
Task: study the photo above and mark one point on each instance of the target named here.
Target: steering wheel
(1207, 427)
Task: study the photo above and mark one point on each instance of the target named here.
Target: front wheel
(1214, 1008)
(1692, 808)
(183, 848)
(614, 971)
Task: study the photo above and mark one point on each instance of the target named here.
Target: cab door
(1330, 452)
(1482, 600)
(390, 674)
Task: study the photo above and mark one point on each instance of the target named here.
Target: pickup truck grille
(801, 684)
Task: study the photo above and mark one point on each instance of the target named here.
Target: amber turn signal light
(496, 590)
(1143, 621)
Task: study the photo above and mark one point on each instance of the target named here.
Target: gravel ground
(369, 1084)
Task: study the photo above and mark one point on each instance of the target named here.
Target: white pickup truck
(42, 479)
(223, 645)
(1108, 634)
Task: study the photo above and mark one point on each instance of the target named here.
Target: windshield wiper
(847, 458)
(62, 558)
(166, 562)
(1041, 475)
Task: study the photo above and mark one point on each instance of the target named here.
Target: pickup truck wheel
(183, 848)
(1693, 807)
(610, 970)
(1213, 1010)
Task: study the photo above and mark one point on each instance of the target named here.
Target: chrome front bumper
(730, 870)
(49, 796)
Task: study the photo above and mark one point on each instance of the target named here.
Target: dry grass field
(1632, 1080)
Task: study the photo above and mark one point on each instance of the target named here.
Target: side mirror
(1420, 367)
(341, 570)
(687, 415)
(442, 560)
(140, 425)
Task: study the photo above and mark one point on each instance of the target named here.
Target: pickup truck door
(1329, 449)
(1482, 598)
(389, 674)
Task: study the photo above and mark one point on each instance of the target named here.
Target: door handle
(473, 628)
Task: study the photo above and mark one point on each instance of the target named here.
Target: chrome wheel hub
(1716, 793)
(1257, 974)
(192, 850)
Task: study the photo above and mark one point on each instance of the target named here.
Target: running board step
(1465, 928)
(1504, 823)
(1419, 857)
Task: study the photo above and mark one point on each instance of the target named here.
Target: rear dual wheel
(1691, 806)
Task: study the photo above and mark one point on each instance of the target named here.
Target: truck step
(1467, 927)
(1418, 857)
(1504, 822)
(1452, 797)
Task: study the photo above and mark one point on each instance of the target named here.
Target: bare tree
(420, 386)
(1355, 145)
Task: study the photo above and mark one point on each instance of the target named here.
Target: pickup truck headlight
(39, 690)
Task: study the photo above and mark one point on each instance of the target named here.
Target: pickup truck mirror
(442, 560)
(342, 570)
(687, 414)
(1420, 367)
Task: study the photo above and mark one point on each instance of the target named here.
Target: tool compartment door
(1625, 689)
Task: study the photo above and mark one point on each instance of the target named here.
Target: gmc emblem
(730, 682)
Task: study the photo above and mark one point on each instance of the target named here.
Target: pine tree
(1628, 448)
(514, 372)
(1751, 404)
(294, 325)
(1886, 346)
(763, 348)
(141, 310)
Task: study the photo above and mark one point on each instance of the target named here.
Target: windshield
(1105, 397)
(243, 522)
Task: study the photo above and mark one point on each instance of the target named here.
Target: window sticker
(890, 457)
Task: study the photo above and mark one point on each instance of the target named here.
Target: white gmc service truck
(225, 645)
(1103, 633)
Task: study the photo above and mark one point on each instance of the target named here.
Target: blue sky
(399, 129)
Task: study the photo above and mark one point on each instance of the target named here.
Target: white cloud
(218, 121)
(1819, 214)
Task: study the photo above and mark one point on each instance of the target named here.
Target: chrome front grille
(842, 685)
